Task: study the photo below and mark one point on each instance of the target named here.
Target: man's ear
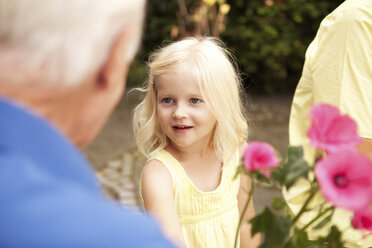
(117, 63)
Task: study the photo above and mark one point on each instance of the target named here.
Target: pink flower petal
(330, 130)
(260, 156)
(345, 179)
(362, 219)
(324, 113)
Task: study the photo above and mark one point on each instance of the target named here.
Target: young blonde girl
(190, 125)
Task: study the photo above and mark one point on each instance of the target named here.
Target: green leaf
(299, 239)
(295, 167)
(274, 228)
(260, 177)
(333, 239)
(278, 174)
(278, 203)
(294, 153)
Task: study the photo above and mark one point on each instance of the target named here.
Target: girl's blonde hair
(212, 66)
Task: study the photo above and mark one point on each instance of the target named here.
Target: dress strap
(233, 181)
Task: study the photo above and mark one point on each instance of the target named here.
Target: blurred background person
(337, 71)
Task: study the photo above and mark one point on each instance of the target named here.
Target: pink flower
(345, 179)
(260, 156)
(330, 130)
(362, 219)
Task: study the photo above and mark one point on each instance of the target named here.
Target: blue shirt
(49, 196)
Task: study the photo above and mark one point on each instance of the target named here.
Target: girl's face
(182, 112)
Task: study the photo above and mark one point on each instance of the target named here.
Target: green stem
(243, 212)
(303, 209)
(317, 217)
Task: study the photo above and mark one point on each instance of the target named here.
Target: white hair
(65, 39)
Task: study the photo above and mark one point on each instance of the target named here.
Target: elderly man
(63, 66)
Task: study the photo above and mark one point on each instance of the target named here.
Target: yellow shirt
(338, 71)
(208, 219)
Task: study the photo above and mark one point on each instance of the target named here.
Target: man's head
(68, 60)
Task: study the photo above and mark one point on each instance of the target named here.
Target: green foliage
(160, 17)
(333, 239)
(275, 228)
(270, 41)
(278, 204)
(137, 73)
(299, 239)
(293, 169)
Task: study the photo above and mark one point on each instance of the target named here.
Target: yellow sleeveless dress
(208, 219)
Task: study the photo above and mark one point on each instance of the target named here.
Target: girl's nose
(179, 112)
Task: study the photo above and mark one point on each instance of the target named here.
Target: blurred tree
(197, 18)
(175, 19)
(268, 37)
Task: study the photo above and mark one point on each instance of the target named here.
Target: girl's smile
(182, 128)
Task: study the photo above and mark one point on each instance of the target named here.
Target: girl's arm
(245, 230)
(157, 194)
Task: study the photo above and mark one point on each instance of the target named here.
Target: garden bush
(268, 37)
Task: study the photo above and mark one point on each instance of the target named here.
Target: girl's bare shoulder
(156, 177)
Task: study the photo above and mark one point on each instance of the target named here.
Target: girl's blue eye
(195, 100)
(167, 100)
